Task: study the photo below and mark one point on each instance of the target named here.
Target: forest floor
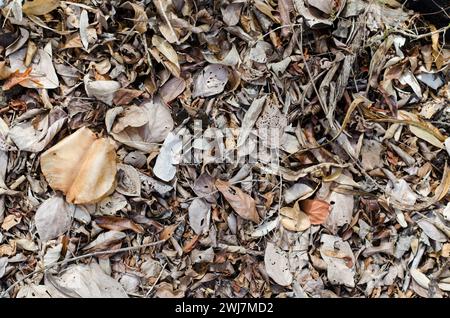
(194, 148)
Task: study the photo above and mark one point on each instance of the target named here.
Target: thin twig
(47, 267)
(156, 281)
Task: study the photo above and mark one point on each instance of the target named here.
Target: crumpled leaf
(293, 219)
(82, 166)
(140, 129)
(53, 218)
(243, 204)
(85, 281)
(166, 49)
(401, 192)
(43, 74)
(165, 168)
(34, 137)
(101, 90)
(139, 15)
(277, 266)
(128, 183)
(111, 204)
(210, 81)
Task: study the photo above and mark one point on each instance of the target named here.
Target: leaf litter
(100, 103)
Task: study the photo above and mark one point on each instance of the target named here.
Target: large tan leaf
(39, 7)
(82, 166)
(242, 203)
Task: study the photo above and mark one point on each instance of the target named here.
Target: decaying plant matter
(190, 148)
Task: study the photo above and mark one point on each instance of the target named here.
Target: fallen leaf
(210, 81)
(42, 73)
(84, 24)
(243, 204)
(199, 216)
(317, 210)
(276, 262)
(139, 15)
(105, 241)
(10, 221)
(33, 291)
(34, 137)
(338, 255)
(101, 90)
(82, 166)
(39, 7)
(85, 281)
(293, 219)
(341, 210)
(165, 168)
(168, 232)
(172, 89)
(140, 129)
(53, 218)
(116, 223)
(128, 182)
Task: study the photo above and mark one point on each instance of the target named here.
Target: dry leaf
(276, 262)
(118, 224)
(317, 210)
(139, 15)
(101, 90)
(341, 210)
(199, 216)
(82, 166)
(84, 24)
(39, 7)
(172, 89)
(128, 183)
(165, 168)
(34, 136)
(5, 71)
(168, 232)
(293, 219)
(105, 241)
(10, 221)
(140, 129)
(85, 281)
(210, 81)
(340, 260)
(243, 204)
(42, 73)
(53, 218)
